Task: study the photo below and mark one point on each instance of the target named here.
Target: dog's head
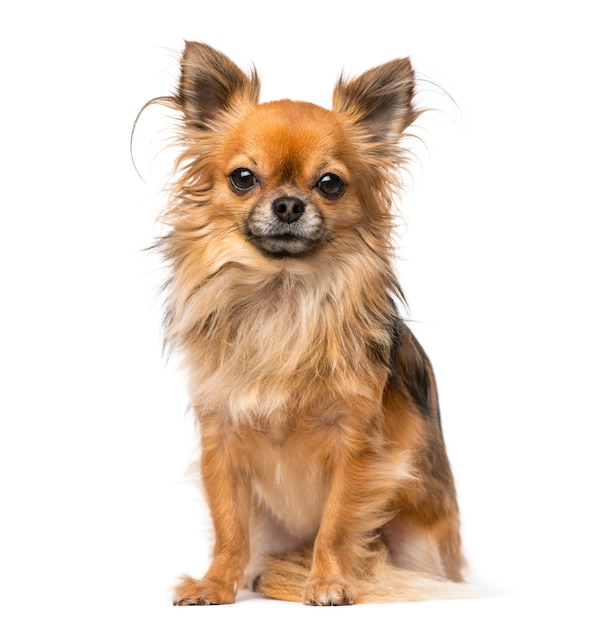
(290, 178)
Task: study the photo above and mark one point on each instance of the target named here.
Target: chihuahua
(322, 456)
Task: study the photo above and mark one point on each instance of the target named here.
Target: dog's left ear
(380, 100)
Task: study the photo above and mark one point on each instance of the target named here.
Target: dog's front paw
(328, 591)
(190, 591)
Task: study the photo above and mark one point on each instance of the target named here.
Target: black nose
(288, 209)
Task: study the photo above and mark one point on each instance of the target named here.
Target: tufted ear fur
(210, 84)
(380, 100)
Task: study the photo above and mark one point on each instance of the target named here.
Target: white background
(98, 517)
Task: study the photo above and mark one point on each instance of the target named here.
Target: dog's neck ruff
(261, 344)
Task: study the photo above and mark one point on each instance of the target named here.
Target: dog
(322, 456)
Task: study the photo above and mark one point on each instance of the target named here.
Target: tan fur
(318, 412)
(285, 578)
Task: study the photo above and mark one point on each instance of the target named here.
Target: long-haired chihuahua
(322, 456)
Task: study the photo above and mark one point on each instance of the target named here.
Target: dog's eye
(242, 179)
(330, 185)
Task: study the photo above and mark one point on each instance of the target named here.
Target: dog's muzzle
(285, 226)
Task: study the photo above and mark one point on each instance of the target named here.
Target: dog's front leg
(355, 507)
(228, 496)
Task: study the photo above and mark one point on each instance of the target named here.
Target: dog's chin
(282, 246)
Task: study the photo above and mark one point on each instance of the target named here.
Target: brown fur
(320, 431)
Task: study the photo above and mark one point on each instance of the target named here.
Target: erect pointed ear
(210, 83)
(380, 99)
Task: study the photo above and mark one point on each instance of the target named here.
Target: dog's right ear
(210, 84)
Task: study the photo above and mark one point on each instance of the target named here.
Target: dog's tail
(285, 579)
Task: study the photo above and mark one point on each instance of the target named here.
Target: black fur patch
(411, 371)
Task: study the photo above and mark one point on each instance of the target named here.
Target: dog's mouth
(283, 244)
